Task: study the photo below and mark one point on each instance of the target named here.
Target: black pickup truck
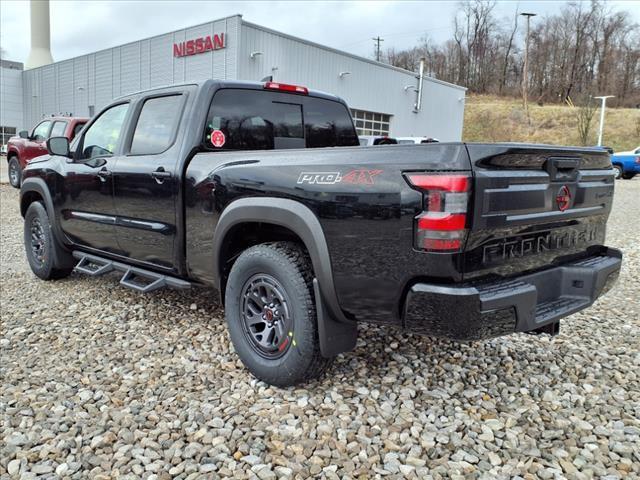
(262, 192)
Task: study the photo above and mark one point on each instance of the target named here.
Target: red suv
(28, 145)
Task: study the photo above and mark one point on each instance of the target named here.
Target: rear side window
(58, 129)
(79, 126)
(260, 120)
(156, 125)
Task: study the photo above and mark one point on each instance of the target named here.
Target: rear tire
(15, 172)
(618, 173)
(41, 247)
(271, 314)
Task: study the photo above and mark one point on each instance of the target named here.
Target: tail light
(285, 87)
(441, 227)
(637, 159)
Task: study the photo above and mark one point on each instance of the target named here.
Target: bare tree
(583, 47)
(584, 113)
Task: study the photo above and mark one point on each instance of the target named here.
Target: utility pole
(525, 70)
(378, 40)
(604, 104)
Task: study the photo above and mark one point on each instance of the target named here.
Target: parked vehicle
(416, 140)
(371, 140)
(28, 145)
(627, 164)
(221, 185)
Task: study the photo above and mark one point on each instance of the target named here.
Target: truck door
(36, 145)
(146, 181)
(87, 213)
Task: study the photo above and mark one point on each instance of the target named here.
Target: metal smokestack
(40, 53)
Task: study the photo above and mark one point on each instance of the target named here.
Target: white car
(409, 140)
(369, 140)
(635, 151)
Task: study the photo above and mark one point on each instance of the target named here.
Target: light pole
(604, 104)
(525, 69)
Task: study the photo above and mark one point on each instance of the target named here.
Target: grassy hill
(498, 119)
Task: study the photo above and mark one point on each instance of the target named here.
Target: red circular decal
(217, 138)
(563, 199)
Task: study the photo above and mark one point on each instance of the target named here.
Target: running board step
(138, 279)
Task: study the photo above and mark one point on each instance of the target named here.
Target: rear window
(260, 120)
(58, 129)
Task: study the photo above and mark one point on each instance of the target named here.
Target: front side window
(41, 131)
(103, 135)
(58, 129)
(156, 125)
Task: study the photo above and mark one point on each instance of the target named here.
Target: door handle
(161, 175)
(103, 174)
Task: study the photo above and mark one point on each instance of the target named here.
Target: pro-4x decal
(359, 176)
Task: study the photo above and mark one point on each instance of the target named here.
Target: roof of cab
(227, 84)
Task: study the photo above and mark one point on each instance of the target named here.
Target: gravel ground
(101, 382)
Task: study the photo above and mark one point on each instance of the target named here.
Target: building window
(6, 133)
(371, 123)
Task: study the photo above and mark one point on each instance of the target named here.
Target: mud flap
(335, 336)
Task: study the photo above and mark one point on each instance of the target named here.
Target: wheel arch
(36, 189)
(289, 219)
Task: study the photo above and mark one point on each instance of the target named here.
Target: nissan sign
(198, 45)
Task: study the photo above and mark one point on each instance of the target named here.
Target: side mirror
(58, 146)
(23, 134)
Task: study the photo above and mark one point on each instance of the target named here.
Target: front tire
(15, 172)
(271, 314)
(40, 245)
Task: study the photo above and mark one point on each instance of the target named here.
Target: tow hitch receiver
(552, 329)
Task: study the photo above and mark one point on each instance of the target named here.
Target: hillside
(498, 119)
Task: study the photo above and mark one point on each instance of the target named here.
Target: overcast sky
(83, 27)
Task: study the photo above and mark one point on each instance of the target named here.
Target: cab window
(254, 120)
(328, 124)
(41, 131)
(102, 137)
(265, 120)
(58, 129)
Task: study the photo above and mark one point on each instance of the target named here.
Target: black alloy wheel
(265, 316)
(38, 241)
(47, 259)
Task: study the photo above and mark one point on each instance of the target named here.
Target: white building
(383, 98)
(11, 100)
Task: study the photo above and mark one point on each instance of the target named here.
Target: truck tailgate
(534, 206)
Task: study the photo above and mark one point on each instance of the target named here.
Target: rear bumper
(522, 304)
